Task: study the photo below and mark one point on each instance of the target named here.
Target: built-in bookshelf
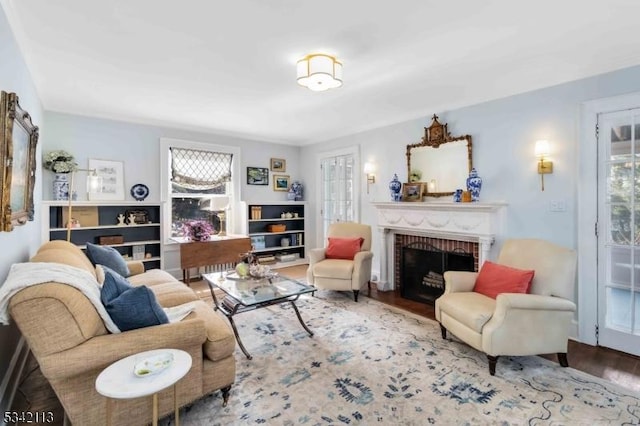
(277, 232)
(98, 223)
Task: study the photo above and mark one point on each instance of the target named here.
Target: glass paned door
(619, 237)
(338, 186)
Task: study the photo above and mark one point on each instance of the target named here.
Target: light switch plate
(557, 206)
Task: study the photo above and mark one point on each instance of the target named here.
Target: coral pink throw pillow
(494, 279)
(343, 248)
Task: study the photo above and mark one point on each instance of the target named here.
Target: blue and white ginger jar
(396, 187)
(61, 186)
(474, 185)
(297, 189)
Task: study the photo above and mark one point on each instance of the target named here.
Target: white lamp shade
(215, 204)
(319, 72)
(542, 148)
(94, 183)
(369, 168)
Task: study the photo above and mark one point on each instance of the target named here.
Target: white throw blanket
(23, 275)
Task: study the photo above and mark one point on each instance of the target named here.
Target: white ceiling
(229, 66)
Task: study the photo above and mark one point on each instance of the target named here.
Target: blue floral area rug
(369, 363)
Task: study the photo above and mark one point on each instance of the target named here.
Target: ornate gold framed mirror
(18, 140)
(440, 161)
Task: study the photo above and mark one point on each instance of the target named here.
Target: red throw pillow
(343, 248)
(494, 279)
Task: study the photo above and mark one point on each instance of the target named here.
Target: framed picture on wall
(280, 182)
(278, 165)
(18, 140)
(257, 176)
(112, 173)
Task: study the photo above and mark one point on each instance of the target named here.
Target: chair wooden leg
(443, 331)
(355, 295)
(369, 288)
(493, 360)
(225, 395)
(562, 359)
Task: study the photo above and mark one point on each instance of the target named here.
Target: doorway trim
(352, 150)
(588, 209)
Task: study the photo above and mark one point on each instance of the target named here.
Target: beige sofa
(72, 346)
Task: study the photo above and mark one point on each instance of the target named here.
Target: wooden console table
(216, 251)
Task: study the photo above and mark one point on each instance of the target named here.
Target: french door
(338, 183)
(619, 230)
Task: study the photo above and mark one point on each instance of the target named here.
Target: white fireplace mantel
(477, 222)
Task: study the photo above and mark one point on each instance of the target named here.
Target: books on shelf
(287, 257)
(256, 212)
(297, 239)
(266, 259)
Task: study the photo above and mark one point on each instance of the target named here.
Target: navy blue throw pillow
(130, 307)
(107, 256)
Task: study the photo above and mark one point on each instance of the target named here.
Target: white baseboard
(9, 384)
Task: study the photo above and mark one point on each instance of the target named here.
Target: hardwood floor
(35, 394)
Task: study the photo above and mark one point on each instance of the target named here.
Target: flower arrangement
(60, 162)
(197, 230)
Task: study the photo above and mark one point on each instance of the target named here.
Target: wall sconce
(371, 178)
(544, 166)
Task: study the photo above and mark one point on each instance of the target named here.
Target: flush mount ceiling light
(319, 72)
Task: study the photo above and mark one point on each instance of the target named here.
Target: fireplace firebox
(423, 266)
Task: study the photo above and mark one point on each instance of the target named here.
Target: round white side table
(118, 381)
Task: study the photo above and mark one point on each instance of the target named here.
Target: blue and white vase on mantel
(396, 187)
(61, 186)
(474, 185)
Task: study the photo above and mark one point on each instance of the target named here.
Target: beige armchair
(514, 324)
(342, 274)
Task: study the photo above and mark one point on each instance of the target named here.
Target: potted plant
(197, 230)
(61, 163)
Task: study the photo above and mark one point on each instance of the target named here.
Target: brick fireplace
(447, 226)
(416, 257)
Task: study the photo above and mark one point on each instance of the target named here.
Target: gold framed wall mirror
(18, 140)
(441, 162)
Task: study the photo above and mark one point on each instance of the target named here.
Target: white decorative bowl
(260, 271)
(153, 364)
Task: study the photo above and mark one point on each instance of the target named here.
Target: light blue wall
(18, 245)
(504, 132)
(138, 146)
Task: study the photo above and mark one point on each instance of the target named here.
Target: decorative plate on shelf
(139, 191)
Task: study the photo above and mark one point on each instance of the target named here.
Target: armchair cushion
(108, 256)
(472, 309)
(340, 269)
(495, 279)
(130, 307)
(343, 248)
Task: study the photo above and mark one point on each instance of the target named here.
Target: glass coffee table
(242, 295)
